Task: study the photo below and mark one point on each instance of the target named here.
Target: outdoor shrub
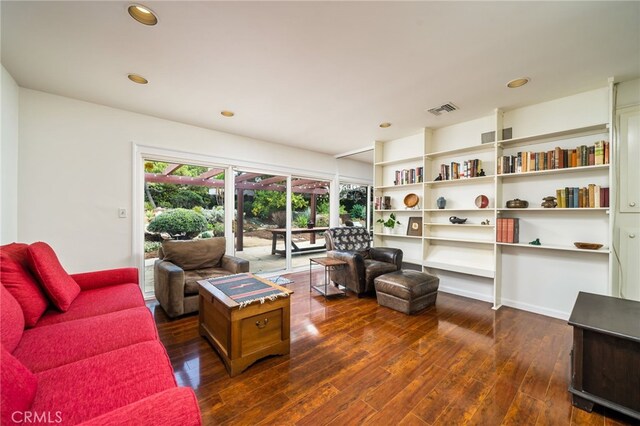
(322, 207)
(301, 220)
(150, 246)
(178, 223)
(187, 199)
(206, 234)
(218, 230)
(358, 211)
(322, 220)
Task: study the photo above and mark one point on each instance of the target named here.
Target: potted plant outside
(389, 225)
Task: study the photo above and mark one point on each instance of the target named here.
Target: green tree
(179, 223)
(267, 202)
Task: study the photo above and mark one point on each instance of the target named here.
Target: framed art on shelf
(414, 229)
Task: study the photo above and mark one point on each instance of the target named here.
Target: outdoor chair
(182, 264)
(364, 263)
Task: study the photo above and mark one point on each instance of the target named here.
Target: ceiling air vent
(442, 109)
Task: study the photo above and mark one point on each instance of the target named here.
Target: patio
(258, 252)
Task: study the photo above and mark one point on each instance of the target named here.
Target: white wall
(75, 171)
(9, 160)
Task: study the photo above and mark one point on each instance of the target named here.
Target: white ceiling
(320, 75)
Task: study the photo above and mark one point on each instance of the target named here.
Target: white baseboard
(466, 293)
(536, 309)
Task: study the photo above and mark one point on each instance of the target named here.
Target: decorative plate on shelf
(411, 200)
(482, 201)
(588, 246)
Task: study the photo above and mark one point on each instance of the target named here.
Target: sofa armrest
(108, 277)
(175, 406)
(352, 274)
(168, 284)
(235, 265)
(387, 254)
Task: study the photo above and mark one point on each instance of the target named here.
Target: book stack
(507, 230)
(468, 169)
(558, 158)
(592, 196)
(409, 176)
(382, 203)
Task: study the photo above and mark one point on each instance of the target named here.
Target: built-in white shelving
(471, 249)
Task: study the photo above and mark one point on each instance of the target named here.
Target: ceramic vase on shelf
(441, 202)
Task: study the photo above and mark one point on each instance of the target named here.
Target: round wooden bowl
(588, 246)
(411, 200)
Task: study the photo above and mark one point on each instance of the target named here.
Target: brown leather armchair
(364, 263)
(182, 264)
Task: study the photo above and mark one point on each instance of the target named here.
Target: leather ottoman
(407, 291)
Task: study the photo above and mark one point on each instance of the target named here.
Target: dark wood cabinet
(605, 360)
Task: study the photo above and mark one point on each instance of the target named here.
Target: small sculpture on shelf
(549, 202)
(535, 242)
(481, 173)
(457, 220)
(441, 202)
(485, 222)
(438, 178)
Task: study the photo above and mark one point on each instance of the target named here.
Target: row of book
(382, 203)
(468, 169)
(507, 230)
(409, 176)
(588, 197)
(558, 158)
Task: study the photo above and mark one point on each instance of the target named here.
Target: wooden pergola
(243, 182)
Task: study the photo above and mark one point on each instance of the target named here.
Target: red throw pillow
(18, 388)
(21, 284)
(59, 285)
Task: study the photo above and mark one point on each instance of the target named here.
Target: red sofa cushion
(93, 386)
(18, 251)
(11, 320)
(18, 388)
(21, 284)
(107, 277)
(41, 349)
(177, 406)
(59, 285)
(97, 302)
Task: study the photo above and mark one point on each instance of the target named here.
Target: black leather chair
(364, 263)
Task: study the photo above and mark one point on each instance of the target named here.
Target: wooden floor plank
(354, 362)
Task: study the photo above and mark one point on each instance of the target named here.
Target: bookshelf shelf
(382, 234)
(482, 179)
(553, 171)
(558, 210)
(459, 240)
(463, 225)
(604, 250)
(549, 137)
(488, 210)
(397, 211)
(461, 268)
(399, 187)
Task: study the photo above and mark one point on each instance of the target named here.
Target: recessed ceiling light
(385, 125)
(518, 82)
(227, 113)
(142, 14)
(137, 79)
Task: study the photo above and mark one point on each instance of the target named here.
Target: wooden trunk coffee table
(244, 334)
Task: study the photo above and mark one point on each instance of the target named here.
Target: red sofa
(81, 349)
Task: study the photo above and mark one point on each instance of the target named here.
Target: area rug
(280, 280)
(245, 289)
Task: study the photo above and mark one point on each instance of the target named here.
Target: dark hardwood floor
(354, 362)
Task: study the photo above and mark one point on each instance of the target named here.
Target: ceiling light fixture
(385, 125)
(518, 82)
(227, 113)
(137, 79)
(142, 14)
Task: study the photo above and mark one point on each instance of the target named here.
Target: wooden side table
(606, 353)
(328, 263)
